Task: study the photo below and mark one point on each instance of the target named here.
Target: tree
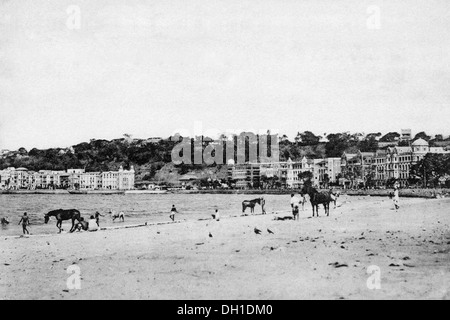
(23, 152)
(337, 144)
(309, 139)
(369, 143)
(431, 168)
(422, 135)
(306, 176)
(390, 137)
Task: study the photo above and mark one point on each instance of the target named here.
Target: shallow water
(138, 208)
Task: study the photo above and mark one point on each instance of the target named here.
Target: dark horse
(62, 215)
(252, 203)
(316, 198)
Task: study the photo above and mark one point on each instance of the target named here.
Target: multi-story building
(334, 169)
(357, 168)
(388, 163)
(287, 172)
(21, 178)
(245, 175)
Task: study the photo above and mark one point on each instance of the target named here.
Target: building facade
(393, 162)
(77, 179)
(285, 173)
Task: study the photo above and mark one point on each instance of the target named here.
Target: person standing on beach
(173, 211)
(97, 217)
(396, 198)
(295, 212)
(25, 222)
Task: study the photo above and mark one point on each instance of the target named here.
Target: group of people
(24, 220)
(94, 221)
(93, 224)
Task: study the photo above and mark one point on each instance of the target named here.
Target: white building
(21, 178)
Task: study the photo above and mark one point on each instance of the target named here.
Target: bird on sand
(269, 231)
(257, 231)
(210, 235)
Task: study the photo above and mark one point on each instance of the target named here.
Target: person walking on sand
(97, 217)
(396, 198)
(25, 222)
(295, 212)
(172, 212)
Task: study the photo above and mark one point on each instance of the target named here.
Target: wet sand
(314, 258)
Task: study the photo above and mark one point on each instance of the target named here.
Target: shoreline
(407, 193)
(313, 258)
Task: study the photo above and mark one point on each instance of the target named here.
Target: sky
(71, 71)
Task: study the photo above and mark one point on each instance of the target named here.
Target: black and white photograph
(224, 150)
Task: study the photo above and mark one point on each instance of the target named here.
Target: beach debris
(257, 231)
(338, 265)
(210, 235)
(270, 231)
(394, 265)
(199, 244)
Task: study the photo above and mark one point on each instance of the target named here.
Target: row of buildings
(287, 173)
(75, 179)
(387, 163)
(350, 170)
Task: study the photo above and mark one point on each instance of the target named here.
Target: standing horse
(252, 203)
(62, 215)
(316, 198)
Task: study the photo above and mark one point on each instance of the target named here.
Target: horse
(316, 198)
(252, 203)
(62, 215)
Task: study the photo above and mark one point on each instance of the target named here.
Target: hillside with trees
(152, 160)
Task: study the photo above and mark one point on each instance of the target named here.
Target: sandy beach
(314, 258)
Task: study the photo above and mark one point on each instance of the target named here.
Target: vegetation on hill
(153, 160)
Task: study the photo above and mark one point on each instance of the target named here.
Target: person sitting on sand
(5, 221)
(92, 224)
(25, 222)
(172, 213)
(82, 225)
